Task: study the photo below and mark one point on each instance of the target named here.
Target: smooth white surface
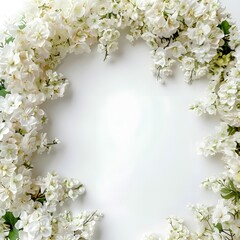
(129, 139)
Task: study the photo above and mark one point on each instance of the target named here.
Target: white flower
(10, 103)
(235, 72)
(204, 53)
(37, 98)
(184, 7)
(27, 118)
(10, 60)
(201, 212)
(4, 130)
(176, 50)
(37, 226)
(191, 11)
(188, 63)
(212, 183)
(160, 25)
(9, 152)
(227, 93)
(221, 213)
(234, 37)
(177, 229)
(236, 54)
(221, 142)
(29, 143)
(7, 169)
(199, 33)
(37, 32)
(4, 193)
(93, 21)
(24, 220)
(171, 27)
(74, 188)
(102, 7)
(78, 9)
(201, 72)
(160, 57)
(16, 183)
(40, 228)
(131, 11)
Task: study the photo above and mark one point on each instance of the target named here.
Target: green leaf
(39, 197)
(10, 219)
(3, 92)
(22, 23)
(232, 130)
(238, 149)
(232, 186)
(22, 26)
(9, 39)
(219, 227)
(225, 26)
(41, 200)
(230, 192)
(226, 190)
(226, 48)
(13, 234)
(229, 196)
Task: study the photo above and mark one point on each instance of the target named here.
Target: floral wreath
(198, 34)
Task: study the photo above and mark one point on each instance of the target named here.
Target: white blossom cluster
(198, 34)
(221, 142)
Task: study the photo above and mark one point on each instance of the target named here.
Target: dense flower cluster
(197, 34)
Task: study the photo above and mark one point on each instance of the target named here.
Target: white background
(129, 139)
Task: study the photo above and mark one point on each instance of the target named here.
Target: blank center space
(130, 140)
